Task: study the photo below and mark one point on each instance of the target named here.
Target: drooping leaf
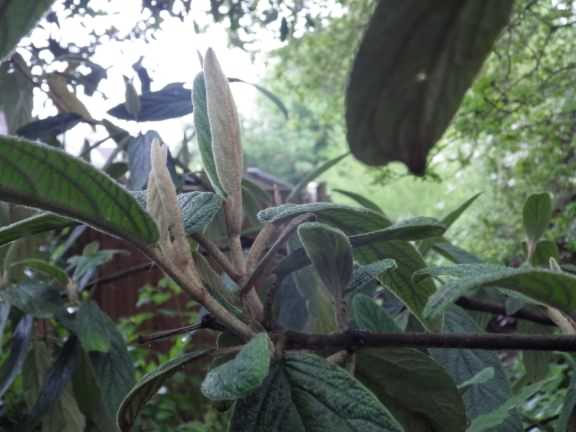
(417, 390)
(34, 297)
(4, 314)
(17, 18)
(172, 101)
(241, 375)
(369, 316)
(20, 341)
(111, 375)
(410, 229)
(303, 392)
(48, 128)
(43, 177)
(330, 252)
(58, 376)
(203, 134)
(463, 365)
(62, 413)
(91, 399)
(312, 175)
(550, 287)
(360, 199)
(149, 385)
(90, 325)
(36, 224)
(42, 266)
(413, 67)
(536, 215)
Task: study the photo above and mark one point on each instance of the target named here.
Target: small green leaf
(330, 252)
(149, 385)
(304, 392)
(40, 176)
(543, 251)
(371, 317)
(17, 18)
(549, 287)
(90, 325)
(242, 375)
(413, 386)
(312, 175)
(36, 224)
(198, 210)
(536, 215)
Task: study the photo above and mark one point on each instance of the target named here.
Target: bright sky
(172, 57)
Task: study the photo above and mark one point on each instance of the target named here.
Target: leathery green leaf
(330, 252)
(305, 393)
(549, 287)
(241, 375)
(44, 177)
(416, 389)
(536, 215)
(36, 224)
(149, 385)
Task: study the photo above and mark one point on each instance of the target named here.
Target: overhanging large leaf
(241, 375)
(553, 288)
(149, 385)
(413, 67)
(39, 176)
(17, 18)
(305, 393)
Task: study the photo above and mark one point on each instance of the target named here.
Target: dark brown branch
(524, 314)
(355, 340)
